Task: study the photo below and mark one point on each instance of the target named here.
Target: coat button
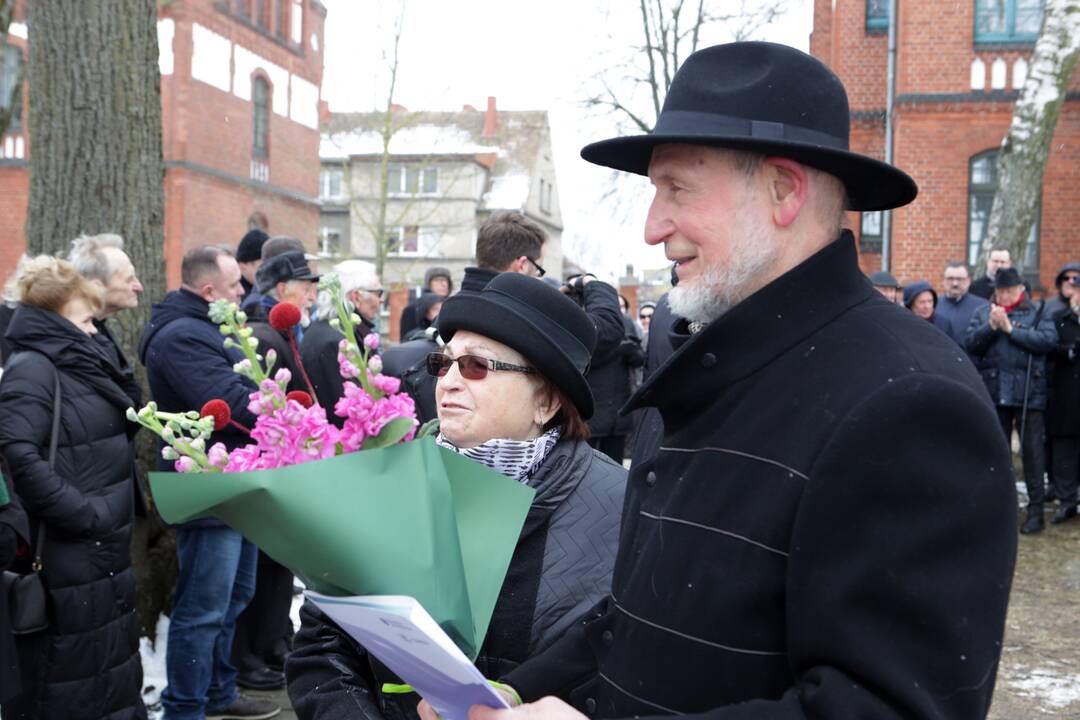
(708, 360)
(590, 705)
(608, 638)
(650, 478)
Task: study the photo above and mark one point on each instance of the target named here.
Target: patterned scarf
(517, 459)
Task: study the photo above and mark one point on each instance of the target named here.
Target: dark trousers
(1065, 479)
(611, 445)
(1032, 450)
(264, 630)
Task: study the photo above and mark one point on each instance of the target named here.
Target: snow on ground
(1054, 687)
(153, 657)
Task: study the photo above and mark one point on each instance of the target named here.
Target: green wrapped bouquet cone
(412, 519)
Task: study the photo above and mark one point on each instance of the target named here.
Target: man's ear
(788, 188)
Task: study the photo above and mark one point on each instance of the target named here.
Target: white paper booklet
(399, 632)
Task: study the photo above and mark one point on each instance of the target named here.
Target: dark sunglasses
(645, 315)
(540, 272)
(471, 367)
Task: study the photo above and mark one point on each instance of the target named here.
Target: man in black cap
(249, 257)
(886, 284)
(1009, 341)
(826, 531)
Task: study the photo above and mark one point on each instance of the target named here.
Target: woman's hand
(549, 708)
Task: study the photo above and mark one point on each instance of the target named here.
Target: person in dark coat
(1009, 341)
(86, 664)
(998, 259)
(1063, 410)
(1066, 282)
(885, 283)
(828, 528)
(921, 299)
(362, 292)
(529, 426)
(608, 376)
(14, 543)
(437, 281)
(264, 629)
(249, 257)
(953, 313)
(187, 365)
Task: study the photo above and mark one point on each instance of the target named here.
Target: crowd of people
(1026, 351)
(801, 445)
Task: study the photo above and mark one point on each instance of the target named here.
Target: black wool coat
(86, 665)
(828, 531)
(608, 375)
(318, 353)
(1063, 408)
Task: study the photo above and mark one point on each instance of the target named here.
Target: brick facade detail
(213, 191)
(941, 121)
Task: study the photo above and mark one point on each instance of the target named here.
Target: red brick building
(959, 65)
(240, 116)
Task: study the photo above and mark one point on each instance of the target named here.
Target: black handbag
(26, 592)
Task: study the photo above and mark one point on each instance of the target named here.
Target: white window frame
(427, 241)
(326, 183)
(401, 170)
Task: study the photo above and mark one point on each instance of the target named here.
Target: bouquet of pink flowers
(375, 507)
(290, 428)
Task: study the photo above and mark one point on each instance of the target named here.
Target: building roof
(509, 148)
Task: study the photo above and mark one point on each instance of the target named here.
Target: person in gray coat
(1009, 341)
(511, 395)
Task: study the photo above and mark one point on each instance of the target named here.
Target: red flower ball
(284, 315)
(219, 410)
(301, 397)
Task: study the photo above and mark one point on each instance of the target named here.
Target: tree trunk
(1022, 161)
(96, 165)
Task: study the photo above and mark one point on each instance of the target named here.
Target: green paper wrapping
(412, 519)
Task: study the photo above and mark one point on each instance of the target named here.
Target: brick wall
(934, 141)
(207, 138)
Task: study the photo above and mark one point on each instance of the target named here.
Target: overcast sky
(530, 56)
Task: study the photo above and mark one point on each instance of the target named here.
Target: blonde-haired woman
(86, 664)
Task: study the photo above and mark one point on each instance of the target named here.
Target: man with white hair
(828, 528)
(362, 292)
(102, 258)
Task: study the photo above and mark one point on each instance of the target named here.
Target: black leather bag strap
(54, 439)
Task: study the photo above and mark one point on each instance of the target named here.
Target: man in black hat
(827, 529)
(1009, 341)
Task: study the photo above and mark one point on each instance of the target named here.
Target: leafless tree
(1022, 160)
(634, 88)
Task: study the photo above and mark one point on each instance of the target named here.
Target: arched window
(982, 185)
(260, 90)
(11, 60)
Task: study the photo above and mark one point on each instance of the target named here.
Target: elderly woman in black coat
(511, 395)
(86, 664)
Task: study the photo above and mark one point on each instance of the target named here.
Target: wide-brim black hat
(765, 98)
(549, 329)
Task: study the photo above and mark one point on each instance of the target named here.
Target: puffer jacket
(86, 665)
(1003, 360)
(561, 567)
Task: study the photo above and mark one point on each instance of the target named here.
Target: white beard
(718, 289)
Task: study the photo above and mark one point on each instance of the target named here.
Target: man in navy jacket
(187, 364)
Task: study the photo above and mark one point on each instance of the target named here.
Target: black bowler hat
(549, 329)
(1007, 277)
(250, 247)
(765, 98)
(282, 268)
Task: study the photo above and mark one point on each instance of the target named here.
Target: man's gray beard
(719, 289)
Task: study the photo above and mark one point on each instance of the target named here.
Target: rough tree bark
(96, 166)
(1022, 160)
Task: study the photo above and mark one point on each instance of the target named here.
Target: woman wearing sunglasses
(511, 395)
